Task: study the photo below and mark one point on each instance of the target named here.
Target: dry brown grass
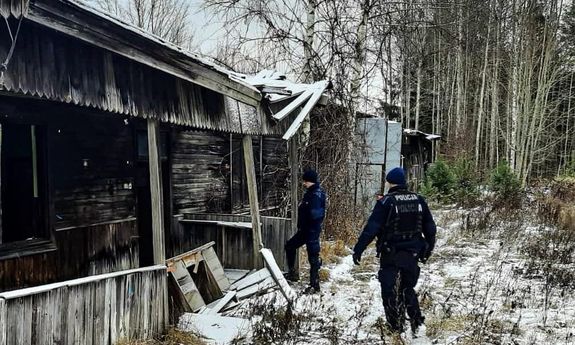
(436, 327)
(173, 337)
(333, 251)
(324, 275)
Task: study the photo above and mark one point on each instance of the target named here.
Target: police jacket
(311, 212)
(401, 220)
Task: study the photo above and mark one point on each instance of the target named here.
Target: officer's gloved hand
(356, 258)
(425, 256)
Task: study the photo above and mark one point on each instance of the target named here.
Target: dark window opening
(142, 144)
(22, 183)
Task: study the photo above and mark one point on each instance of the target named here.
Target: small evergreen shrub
(505, 184)
(439, 182)
(466, 186)
(569, 170)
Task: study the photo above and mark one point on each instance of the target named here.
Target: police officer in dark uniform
(405, 233)
(311, 212)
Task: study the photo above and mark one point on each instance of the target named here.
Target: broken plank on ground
(221, 303)
(234, 275)
(255, 289)
(251, 279)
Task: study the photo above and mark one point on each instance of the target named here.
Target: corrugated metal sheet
(13, 8)
(56, 67)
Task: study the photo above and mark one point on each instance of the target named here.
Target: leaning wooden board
(277, 275)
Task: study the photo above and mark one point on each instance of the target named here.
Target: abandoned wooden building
(119, 150)
(417, 154)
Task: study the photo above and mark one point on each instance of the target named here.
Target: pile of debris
(205, 292)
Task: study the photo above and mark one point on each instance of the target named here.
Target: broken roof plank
(251, 279)
(221, 303)
(255, 289)
(234, 274)
(221, 329)
(293, 105)
(318, 92)
(274, 98)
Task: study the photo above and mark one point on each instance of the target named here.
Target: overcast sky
(207, 31)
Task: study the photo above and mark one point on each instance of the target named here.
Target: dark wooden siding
(275, 176)
(200, 172)
(204, 163)
(103, 189)
(92, 210)
(234, 246)
(81, 252)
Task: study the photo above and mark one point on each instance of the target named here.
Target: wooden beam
(3, 321)
(158, 238)
(0, 183)
(83, 23)
(157, 195)
(253, 196)
(294, 187)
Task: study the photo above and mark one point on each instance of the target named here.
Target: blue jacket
(311, 212)
(375, 227)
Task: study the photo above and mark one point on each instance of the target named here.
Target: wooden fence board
(232, 243)
(2, 321)
(87, 311)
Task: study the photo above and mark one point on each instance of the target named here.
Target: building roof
(98, 28)
(173, 102)
(415, 133)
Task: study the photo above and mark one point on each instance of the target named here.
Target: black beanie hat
(310, 176)
(396, 176)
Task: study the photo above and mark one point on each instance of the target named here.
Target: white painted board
(277, 275)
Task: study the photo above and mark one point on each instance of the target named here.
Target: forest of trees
(493, 77)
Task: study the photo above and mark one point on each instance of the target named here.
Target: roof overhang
(418, 133)
(104, 31)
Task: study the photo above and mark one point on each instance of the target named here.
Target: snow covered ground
(474, 290)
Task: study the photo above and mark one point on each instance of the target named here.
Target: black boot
(292, 276)
(311, 290)
(416, 325)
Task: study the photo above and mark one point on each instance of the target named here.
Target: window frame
(45, 238)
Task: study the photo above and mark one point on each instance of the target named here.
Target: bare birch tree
(168, 19)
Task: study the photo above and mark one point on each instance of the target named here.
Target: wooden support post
(294, 184)
(0, 183)
(253, 196)
(156, 192)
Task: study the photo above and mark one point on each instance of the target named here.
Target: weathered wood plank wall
(98, 310)
(200, 171)
(204, 163)
(81, 252)
(233, 245)
(91, 159)
(275, 176)
(94, 229)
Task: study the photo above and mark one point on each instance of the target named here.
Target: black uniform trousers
(398, 275)
(313, 248)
